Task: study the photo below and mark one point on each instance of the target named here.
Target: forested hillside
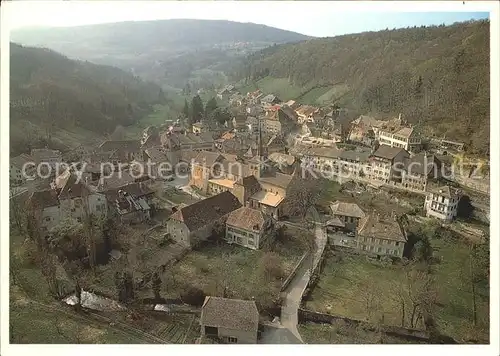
(169, 52)
(54, 92)
(437, 76)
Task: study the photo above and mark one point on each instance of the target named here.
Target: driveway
(296, 288)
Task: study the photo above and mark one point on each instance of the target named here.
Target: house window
(47, 218)
(232, 340)
(379, 249)
(79, 220)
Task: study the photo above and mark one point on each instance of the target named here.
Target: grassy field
(280, 87)
(211, 267)
(34, 324)
(368, 200)
(341, 333)
(361, 289)
(312, 96)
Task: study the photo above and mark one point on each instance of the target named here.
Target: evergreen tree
(196, 109)
(185, 111)
(210, 107)
(156, 285)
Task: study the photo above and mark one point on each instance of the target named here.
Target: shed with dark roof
(231, 320)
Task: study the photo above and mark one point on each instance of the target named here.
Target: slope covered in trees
(165, 51)
(437, 76)
(53, 92)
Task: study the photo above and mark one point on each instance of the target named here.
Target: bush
(193, 296)
(271, 266)
(27, 254)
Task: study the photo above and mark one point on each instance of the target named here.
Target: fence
(406, 333)
(294, 272)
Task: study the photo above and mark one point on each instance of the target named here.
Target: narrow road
(296, 288)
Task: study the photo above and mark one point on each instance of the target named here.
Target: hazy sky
(311, 18)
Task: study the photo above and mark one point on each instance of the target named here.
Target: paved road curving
(296, 288)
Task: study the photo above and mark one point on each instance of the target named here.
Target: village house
(238, 122)
(78, 199)
(280, 121)
(46, 203)
(306, 113)
(195, 223)
(269, 99)
(45, 155)
(17, 164)
(382, 236)
(255, 110)
(66, 199)
(284, 163)
(292, 104)
(130, 204)
(399, 135)
(158, 161)
(349, 214)
(199, 127)
(419, 170)
(225, 92)
(253, 98)
(363, 130)
(197, 142)
(171, 146)
(124, 151)
(247, 227)
(387, 164)
(237, 100)
(150, 137)
(271, 198)
(231, 321)
(442, 203)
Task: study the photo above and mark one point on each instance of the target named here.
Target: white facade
(409, 143)
(441, 207)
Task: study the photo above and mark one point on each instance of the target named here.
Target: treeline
(437, 76)
(53, 91)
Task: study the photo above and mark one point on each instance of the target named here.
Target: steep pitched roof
(208, 158)
(128, 145)
(235, 314)
(207, 210)
(247, 219)
(306, 110)
(346, 209)
(156, 155)
(278, 179)
(423, 165)
(387, 152)
(381, 227)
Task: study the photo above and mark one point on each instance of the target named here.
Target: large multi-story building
(442, 203)
(247, 227)
(387, 164)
